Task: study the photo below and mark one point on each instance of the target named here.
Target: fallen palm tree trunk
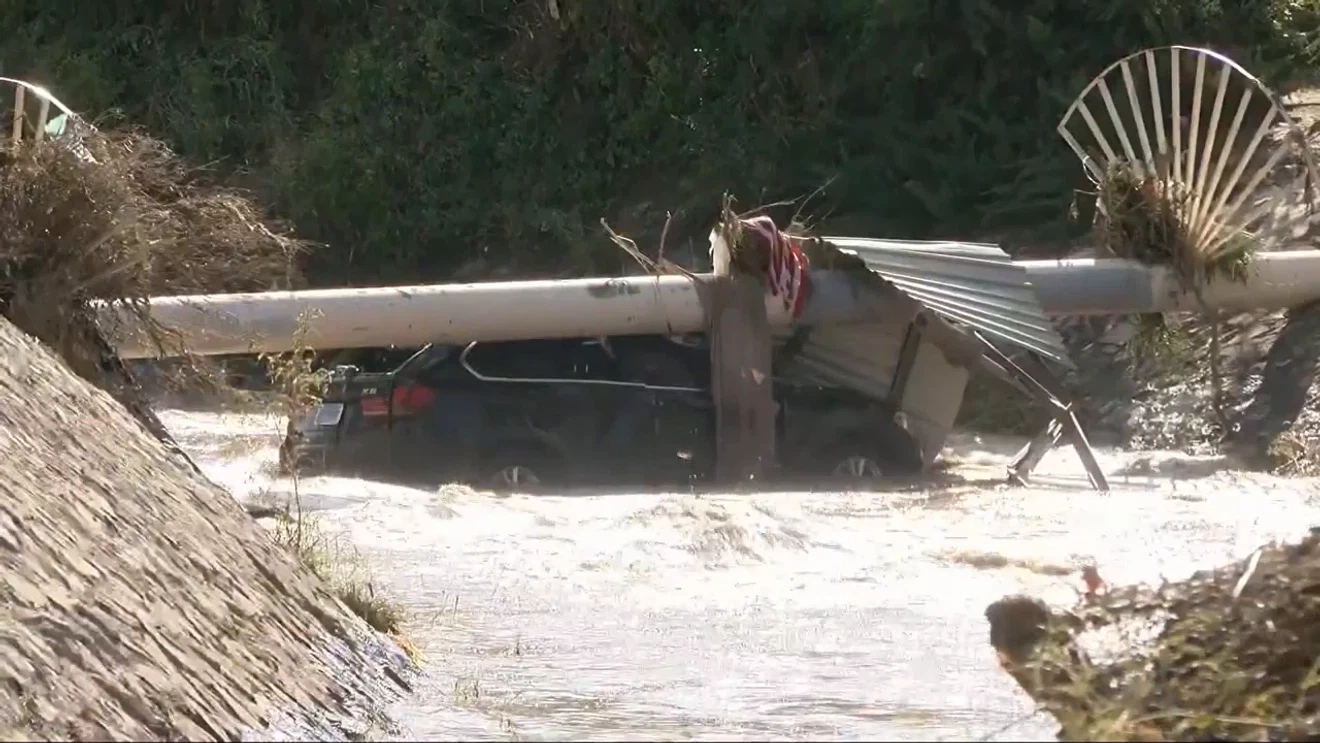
(1228, 654)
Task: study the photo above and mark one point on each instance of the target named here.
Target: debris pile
(1228, 654)
(89, 217)
(1153, 220)
(116, 217)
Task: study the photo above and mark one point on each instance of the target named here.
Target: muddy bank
(140, 602)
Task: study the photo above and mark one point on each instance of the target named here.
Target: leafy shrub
(419, 138)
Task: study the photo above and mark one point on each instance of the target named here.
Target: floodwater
(767, 616)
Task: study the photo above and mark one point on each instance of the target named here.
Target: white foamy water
(767, 616)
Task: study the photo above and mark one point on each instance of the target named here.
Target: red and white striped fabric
(789, 273)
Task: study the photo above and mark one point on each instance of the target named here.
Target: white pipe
(450, 313)
(406, 316)
(416, 315)
(1109, 286)
(456, 313)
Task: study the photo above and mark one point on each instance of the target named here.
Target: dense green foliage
(415, 137)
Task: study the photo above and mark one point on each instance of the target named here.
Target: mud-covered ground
(140, 602)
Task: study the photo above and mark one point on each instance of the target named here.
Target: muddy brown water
(816, 615)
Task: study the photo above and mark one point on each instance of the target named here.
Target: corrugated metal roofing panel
(970, 284)
(860, 356)
(864, 356)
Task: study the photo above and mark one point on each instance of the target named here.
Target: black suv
(625, 409)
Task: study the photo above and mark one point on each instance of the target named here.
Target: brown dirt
(1269, 363)
(138, 601)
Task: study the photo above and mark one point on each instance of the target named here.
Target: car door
(563, 399)
(514, 383)
(437, 414)
(606, 418)
(681, 441)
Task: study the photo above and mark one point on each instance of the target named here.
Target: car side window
(526, 360)
(572, 360)
(437, 368)
(589, 361)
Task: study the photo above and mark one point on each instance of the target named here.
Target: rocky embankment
(140, 602)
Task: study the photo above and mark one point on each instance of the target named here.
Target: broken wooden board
(741, 382)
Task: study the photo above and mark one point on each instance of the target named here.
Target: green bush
(414, 138)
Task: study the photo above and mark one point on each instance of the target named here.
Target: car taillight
(374, 406)
(408, 399)
(412, 399)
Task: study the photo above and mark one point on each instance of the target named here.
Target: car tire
(858, 467)
(514, 478)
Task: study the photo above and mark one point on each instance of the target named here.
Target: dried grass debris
(91, 218)
(1228, 654)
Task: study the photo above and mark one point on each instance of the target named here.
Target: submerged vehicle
(584, 411)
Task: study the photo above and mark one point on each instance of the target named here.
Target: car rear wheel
(515, 477)
(858, 468)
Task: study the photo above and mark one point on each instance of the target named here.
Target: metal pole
(1109, 286)
(220, 324)
(454, 313)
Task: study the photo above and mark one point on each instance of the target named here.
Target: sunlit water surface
(767, 616)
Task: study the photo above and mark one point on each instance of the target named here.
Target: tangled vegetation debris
(298, 385)
(90, 217)
(1228, 654)
(1151, 219)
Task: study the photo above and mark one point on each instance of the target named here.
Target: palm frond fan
(1197, 163)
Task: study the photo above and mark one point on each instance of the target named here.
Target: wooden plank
(42, 118)
(1020, 469)
(20, 95)
(741, 385)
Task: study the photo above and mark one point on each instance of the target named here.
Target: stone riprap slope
(137, 600)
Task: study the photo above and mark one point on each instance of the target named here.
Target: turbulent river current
(764, 616)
